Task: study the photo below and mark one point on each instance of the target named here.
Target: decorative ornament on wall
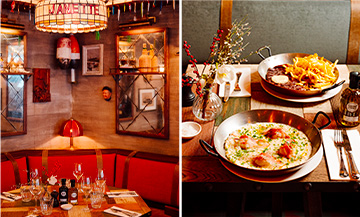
(63, 52)
(75, 56)
(68, 54)
(76, 16)
(41, 86)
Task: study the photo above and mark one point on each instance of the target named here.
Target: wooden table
(136, 204)
(204, 173)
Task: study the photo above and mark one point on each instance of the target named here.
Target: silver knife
(354, 172)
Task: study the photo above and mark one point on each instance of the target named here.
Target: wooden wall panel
(354, 34)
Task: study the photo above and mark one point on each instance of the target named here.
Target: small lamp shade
(72, 128)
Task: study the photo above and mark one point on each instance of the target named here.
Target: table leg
(312, 204)
(277, 204)
(235, 204)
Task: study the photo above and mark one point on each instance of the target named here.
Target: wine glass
(34, 173)
(86, 189)
(36, 190)
(78, 173)
(100, 181)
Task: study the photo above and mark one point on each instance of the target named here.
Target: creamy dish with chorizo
(267, 146)
(306, 73)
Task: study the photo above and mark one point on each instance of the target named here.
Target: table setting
(91, 195)
(321, 103)
(332, 155)
(302, 86)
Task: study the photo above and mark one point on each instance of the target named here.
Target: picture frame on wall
(147, 99)
(93, 59)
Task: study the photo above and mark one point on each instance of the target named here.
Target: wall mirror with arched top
(13, 82)
(142, 92)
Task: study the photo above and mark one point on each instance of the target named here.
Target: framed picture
(92, 63)
(41, 85)
(147, 99)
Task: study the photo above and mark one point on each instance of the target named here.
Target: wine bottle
(73, 193)
(63, 192)
(144, 60)
(154, 59)
(349, 110)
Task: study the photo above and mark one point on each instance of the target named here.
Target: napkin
(122, 212)
(332, 155)
(10, 197)
(244, 83)
(121, 194)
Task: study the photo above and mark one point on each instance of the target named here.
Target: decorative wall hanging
(107, 92)
(41, 86)
(75, 56)
(76, 16)
(93, 59)
(63, 52)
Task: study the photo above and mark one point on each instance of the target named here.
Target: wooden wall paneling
(354, 33)
(225, 17)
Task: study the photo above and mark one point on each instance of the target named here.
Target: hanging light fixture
(70, 16)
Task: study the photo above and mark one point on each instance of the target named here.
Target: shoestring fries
(312, 72)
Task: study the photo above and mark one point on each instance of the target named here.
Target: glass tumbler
(26, 195)
(96, 198)
(46, 204)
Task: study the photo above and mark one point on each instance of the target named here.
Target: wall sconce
(72, 128)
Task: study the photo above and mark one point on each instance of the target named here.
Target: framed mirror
(142, 92)
(13, 82)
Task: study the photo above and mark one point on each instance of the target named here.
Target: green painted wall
(287, 26)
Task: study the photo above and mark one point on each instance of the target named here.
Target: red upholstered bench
(154, 177)
(13, 172)
(65, 164)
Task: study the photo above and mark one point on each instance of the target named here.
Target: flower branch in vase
(207, 105)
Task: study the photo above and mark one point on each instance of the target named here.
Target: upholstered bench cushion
(8, 176)
(153, 180)
(66, 166)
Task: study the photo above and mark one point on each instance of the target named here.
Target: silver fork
(339, 143)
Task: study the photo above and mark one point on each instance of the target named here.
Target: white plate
(317, 98)
(306, 169)
(190, 129)
(66, 206)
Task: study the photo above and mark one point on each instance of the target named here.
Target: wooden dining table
(134, 203)
(204, 173)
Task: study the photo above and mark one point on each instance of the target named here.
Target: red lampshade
(72, 128)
